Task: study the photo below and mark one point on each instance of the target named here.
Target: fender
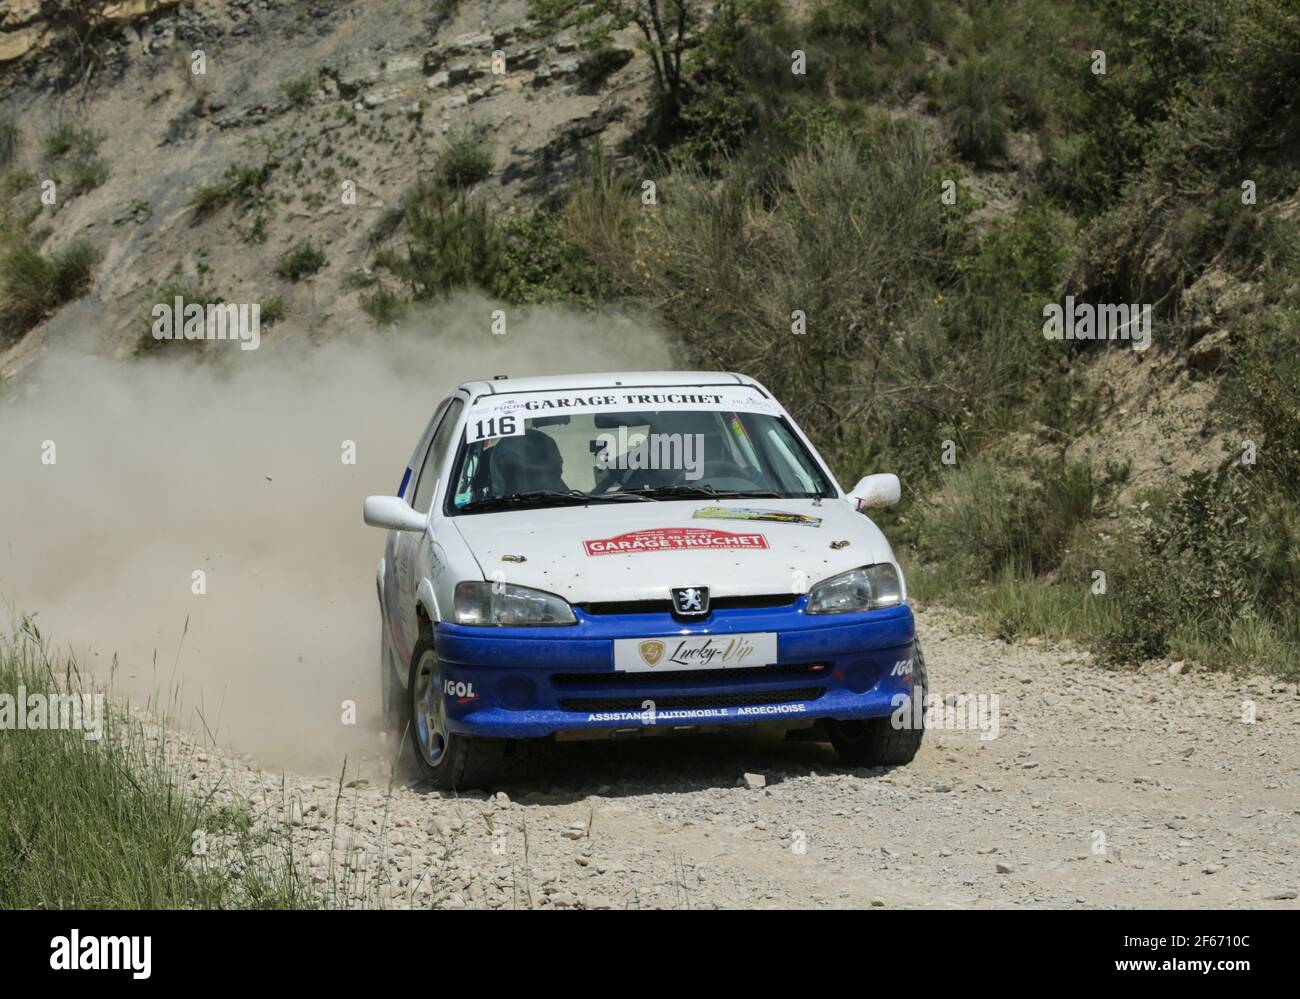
(425, 597)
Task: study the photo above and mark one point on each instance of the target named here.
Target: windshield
(630, 456)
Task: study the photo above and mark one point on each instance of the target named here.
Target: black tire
(874, 742)
(460, 763)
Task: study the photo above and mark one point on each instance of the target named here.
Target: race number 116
(493, 426)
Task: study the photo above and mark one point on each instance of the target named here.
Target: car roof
(606, 379)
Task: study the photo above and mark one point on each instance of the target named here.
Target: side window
(442, 438)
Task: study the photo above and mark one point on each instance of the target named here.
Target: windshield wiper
(656, 492)
(543, 497)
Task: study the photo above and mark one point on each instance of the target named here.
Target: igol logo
(459, 689)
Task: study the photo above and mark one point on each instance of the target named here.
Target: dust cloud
(164, 467)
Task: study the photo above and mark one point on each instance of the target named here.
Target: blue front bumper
(532, 682)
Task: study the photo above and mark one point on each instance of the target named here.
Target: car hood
(637, 551)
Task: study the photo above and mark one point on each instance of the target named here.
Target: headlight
(506, 606)
(862, 589)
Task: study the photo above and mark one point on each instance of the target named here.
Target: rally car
(639, 553)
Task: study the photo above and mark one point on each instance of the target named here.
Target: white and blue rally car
(648, 552)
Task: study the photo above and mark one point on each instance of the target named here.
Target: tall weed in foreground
(105, 822)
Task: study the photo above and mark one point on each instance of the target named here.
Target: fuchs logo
(902, 668)
(459, 689)
(691, 601)
(651, 652)
(673, 539)
(1084, 321)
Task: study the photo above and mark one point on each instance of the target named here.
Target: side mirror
(392, 513)
(876, 491)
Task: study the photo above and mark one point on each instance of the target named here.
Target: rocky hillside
(224, 133)
(871, 205)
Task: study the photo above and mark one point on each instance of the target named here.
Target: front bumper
(534, 682)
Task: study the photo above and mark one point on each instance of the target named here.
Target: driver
(526, 463)
(684, 425)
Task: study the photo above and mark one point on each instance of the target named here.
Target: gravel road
(1101, 789)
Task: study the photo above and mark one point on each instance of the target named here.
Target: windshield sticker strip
(675, 539)
(741, 398)
(752, 513)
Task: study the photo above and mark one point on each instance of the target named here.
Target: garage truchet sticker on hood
(674, 539)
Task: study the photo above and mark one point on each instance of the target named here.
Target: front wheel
(875, 742)
(445, 759)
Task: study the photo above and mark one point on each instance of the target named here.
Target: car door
(412, 555)
(399, 547)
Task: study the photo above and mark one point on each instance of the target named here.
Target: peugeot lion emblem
(691, 601)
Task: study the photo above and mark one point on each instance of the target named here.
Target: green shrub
(192, 293)
(465, 160)
(878, 47)
(1262, 390)
(384, 306)
(1217, 82)
(302, 260)
(597, 66)
(72, 270)
(989, 519)
(540, 263)
(207, 198)
(71, 137)
(353, 280)
(849, 232)
(301, 89)
(241, 186)
(1017, 266)
(87, 173)
(78, 144)
(448, 241)
(26, 288)
(9, 142)
(974, 93)
(388, 222)
(272, 310)
(1215, 555)
(33, 285)
(875, 23)
(597, 217)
